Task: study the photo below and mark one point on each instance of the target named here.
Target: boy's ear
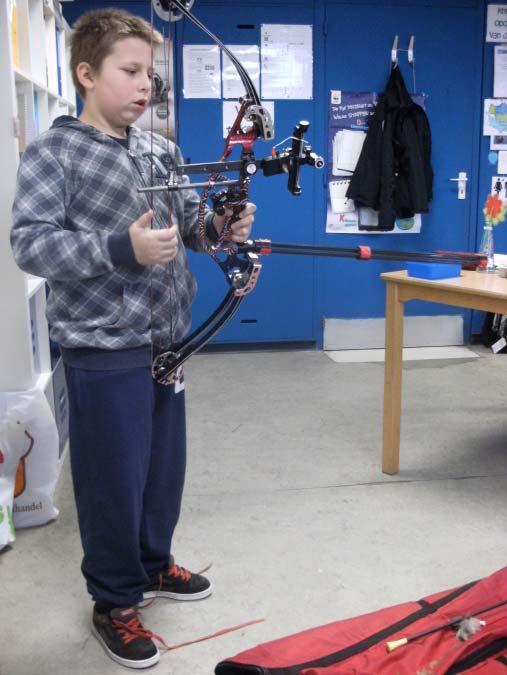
(85, 75)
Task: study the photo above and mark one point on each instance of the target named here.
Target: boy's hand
(153, 247)
(240, 230)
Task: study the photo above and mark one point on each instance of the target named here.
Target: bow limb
(242, 280)
(253, 110)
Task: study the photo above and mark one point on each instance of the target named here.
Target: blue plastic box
(427, 270)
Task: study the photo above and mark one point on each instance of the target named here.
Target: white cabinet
(37, 88)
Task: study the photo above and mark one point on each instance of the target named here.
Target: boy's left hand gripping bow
(241, 268)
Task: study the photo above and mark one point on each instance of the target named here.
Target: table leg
(392, 380)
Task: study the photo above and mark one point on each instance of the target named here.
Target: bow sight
(287, 161)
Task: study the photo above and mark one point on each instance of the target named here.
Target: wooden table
(473, 290)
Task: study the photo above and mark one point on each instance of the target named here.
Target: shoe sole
(128, 663)
(179, 596)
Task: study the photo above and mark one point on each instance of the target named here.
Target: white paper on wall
(495, 116)
(287, 61)
(201, 71)
(347, 146)
(339, 202)
(500, 72)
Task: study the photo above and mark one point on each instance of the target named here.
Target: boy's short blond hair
(95, 34)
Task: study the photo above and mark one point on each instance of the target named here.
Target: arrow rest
(167, 10)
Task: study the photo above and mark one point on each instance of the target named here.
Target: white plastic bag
(29, 442)
(9, 460)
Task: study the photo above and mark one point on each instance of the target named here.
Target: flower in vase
(494, 210)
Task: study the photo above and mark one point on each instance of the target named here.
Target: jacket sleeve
(42, 242)
(364, 187)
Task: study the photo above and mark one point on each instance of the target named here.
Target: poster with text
(349, 117)
(159, 115)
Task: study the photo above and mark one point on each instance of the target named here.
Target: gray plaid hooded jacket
(76, 198)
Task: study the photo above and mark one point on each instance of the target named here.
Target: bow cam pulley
(168, 10)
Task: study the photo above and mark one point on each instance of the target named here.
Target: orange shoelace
(224, 631)
(178, 572)
(184, 574)
(130, 630)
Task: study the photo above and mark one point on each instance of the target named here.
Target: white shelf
(43, 381)
(21, 76)
(57, 364)
(48, 10)
(33, 284)
(37, 88)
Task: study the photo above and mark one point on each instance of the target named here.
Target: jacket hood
(70, 122)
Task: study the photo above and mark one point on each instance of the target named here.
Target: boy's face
(120, 91)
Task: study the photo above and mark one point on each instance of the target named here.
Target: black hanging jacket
(393, 173)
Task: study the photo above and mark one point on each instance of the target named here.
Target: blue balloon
(493, 157)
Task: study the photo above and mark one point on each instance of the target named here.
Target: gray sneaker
(177, 583)
(124, 639)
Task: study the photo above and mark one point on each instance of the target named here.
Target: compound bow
(241, 266)
(240, 262)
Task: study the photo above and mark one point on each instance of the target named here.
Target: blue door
(448, 68)
(282, 307)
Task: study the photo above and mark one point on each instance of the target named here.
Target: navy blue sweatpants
(128, 452)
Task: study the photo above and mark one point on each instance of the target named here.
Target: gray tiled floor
(286, 498)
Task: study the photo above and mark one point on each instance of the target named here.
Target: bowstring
(151, 197)
(157, 340)
(170, 265)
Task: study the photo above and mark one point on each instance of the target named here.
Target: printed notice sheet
(502, 162)
(495, 117)
(159, 115)
(287, 61)
(499, 186)
(347, 146)
(248, 55)
(498, 142)
(349, 117)
(500, 79)
(201, 71)
(496, 26)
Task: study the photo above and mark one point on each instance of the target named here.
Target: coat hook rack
(394, 51)
(410, 50)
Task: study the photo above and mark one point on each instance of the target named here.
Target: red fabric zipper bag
(357, 646)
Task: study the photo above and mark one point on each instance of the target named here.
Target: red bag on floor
(357, 646)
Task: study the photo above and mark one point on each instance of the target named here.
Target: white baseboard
(418, 331)
(409, 354)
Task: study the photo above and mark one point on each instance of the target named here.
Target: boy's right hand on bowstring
(153, 247)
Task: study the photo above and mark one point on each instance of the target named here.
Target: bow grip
(232, 199)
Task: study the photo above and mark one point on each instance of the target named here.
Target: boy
(80, 222)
